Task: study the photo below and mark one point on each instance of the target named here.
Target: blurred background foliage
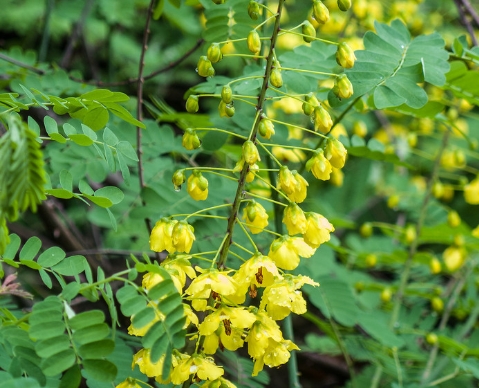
(347, 338)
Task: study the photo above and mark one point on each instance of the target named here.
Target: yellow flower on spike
(128, 383)
(183, 236)
(277, 353)
(317, 230)
(200, 366)
(255, 217)
(319, 166)
(454, 258)
(218, 383)
(286, 251)
(263, 329)
(300, 191)
(197, 186)
(161, 236)
(148, 368)
(335, 153)
(294, 219)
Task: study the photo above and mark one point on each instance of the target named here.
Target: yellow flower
(218, 383)
(197, 186)
(161, 236)
(264, 327)
(141, 331)
(294, 219)
(183, 236)
(475, 232)
(321, 119)
(345, 56)
(317, 230)
(277, 353)
(211, 280)
(178, 266)
(129, 383)
(285, 251)
(199, 366)
(253, 168)
(288, 154)
(319, 166)
(337, 177)
(435, 265)
(283, 297)
(300, 192)
(336, 153)
(255, 216)
(454, 258)
(343, 87)
(258, 271)
(148, 368)
(471, 192)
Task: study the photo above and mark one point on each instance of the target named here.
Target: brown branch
(467, 5)
(461, 8)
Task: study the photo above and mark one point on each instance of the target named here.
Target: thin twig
(467, 5)
(76, 33)
(465, 21)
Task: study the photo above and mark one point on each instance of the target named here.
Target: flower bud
(276, 79)
(435, 266)
(345, 56)
(386, 295)
(366, 229)
(197, 186)
(320, 12)
(337, 177)
(432, 339)
(254, 42)
(335, 153)
(318, 230)
(253, 10)
(266, 128)
(308, 31)
(371, 260)
(343, 87)
(286, 180)
(250, 152)
(300, 191)
(230, 110)
(294, 219)
(311, 98)
(192, 105)
(251, 173)
(255, 216)
(437, 304)
(204, 67)
(307, 108)
(471, 192)
(190, 140)
(161, 236)
(322, 120)
(319, 166)
(344, 5)
(179, 177)
(410, 234)
(183, 236)
(214, 53)
(454, 258)
(226, 94)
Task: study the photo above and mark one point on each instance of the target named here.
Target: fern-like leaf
(392, 65)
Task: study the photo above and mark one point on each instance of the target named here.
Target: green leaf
(58, 362)
(46, 279)
(158, 9)
(66, 180)
(127, 149)
(95, 350)
(71, 266)
(143, 317)
(42, 331)
(30, 249)
(109, 137)
(71, 378)
(96, 118)
(91, 333)
(392, 64)
(71, 290)
(122, 113)
(113, 193)
(51, 257)
(375, 323)
(60, 193)
(46, 348)
(81, 140)
(12, 248)
(86, 319)
(133, 305)
(100, 370)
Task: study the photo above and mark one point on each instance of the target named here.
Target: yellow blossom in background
(338, 130)
(471, 192)
(475, 232)
(337, 177)
(435, 266)
(288, 105)
(288, 154)
(255, 217)
(161, 236)
(454, 258)
(285, 251)
(318, 229)
(294, 219)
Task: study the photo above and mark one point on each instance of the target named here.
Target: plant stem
(244, 171)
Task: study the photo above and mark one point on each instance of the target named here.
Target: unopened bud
(179, 177)
(227, 94)
(360, 129)
(344, 5)
(250, 152)
(205, 68)
(345, 56)
(214, 53)
(322, 120)
(343, 87)
(366, 229)
(253, 10)
(320, 12)
(308, 31)
(192, 105)
(410, 234)
(276, 79)
(190, 140)
(453, 219)
(254, 42)
(266, 128)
